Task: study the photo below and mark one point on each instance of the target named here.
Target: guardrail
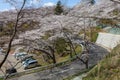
(38, 69)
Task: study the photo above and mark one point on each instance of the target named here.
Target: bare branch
(116, 1)
(14, 33)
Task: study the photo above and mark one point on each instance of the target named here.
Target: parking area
(10, 62)
(19, 60)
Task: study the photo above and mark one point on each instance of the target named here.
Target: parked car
(30, 63)
(26, 57)
(26, 60)
(1, 49)
(11, 70)
(19, 56)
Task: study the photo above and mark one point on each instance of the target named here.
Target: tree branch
(116, 1)
(14, 33)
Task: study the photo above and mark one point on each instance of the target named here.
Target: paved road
(58, 73)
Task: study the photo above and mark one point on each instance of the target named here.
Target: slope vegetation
(108, 68)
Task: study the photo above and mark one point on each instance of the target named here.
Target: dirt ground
(10, 62)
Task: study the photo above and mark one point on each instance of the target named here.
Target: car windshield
(29, 59)
(29, 62)
(32, 61)
(20, 54)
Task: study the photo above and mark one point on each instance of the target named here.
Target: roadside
(61, 72)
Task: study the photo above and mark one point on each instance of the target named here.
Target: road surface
(58, 73)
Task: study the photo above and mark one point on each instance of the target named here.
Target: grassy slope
(108, 68)
(92, 33)
(58, 58)
(1, 79)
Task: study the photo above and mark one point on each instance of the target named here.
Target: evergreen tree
(88, 1)
(92, 2)
(58, 8)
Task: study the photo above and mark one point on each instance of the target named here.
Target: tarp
(108, 40)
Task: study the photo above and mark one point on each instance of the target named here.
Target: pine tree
(58, 8)
(88, 1)
(92, 2)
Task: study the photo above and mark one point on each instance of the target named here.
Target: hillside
(108, 68)
(104, 8)
(56, 38)
(71, 21)
(45, 16)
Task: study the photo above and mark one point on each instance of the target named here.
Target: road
(58, 73)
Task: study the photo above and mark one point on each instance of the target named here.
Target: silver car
(19, 56)
(30, 64)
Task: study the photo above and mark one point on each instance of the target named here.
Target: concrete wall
(108, 40)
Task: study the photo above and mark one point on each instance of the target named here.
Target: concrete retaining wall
(108, 40)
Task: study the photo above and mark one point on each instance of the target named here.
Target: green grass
(64, 58)
(108, 68)
(92, 33)
(1, 78)
(58, 57)
(115, 12)
(78, 49)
